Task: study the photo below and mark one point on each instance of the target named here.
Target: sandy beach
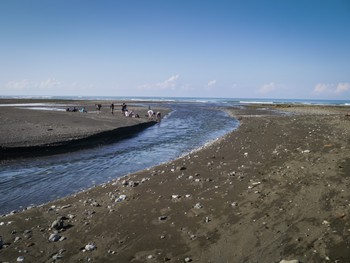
(27, 132)
(275, 189)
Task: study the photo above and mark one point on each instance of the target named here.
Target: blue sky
(185, 48)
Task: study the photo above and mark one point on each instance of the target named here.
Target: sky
(291, 49)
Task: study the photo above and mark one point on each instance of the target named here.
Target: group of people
(75, 109)
(128, 113)
(152, 114)
(124, 109)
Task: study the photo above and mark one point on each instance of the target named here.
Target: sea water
(188, 126)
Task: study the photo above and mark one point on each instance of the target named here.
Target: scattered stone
(198, 206)
(20, 259)
(125, 182)
(120, 198)
(57, 224)
(65, 206)
(54, 237)
(1, 242)
(175, 196)
(17, 239)
(90, 247)
(207, 219)
(133, 184)
(325, 222)
(254, 184)
(71, 216)
(188, 259)
(232, 173)
(62, 238)
(290, 261)
(144, 180)
(57, 257)
(95, 204)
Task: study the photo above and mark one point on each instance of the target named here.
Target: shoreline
(27, 132)
(273, 189)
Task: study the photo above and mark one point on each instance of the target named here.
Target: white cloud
(342, 87)
(211, 83)
(170, 83)
(267, 88)
(25, 84)
(339, 88)
(18, 85)
(321, 88)
(50, 83)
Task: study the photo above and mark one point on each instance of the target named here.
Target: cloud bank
(25, 84)
(324, 89)
(267, 88)
(168, 84)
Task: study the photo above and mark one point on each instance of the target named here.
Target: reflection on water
(35, 181)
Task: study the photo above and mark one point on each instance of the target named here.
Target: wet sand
(26, 132)
(275, 189)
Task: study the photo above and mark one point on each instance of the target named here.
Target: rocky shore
(274, 190)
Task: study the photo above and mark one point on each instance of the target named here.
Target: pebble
(1, 242)
(54, 237)
(207, 219)
(57, 224)
(90, 247)
(188, 259)
(20, 259)
(65, 206)
(290, 261)
(198, 206)
(120, 198)
(56, 257)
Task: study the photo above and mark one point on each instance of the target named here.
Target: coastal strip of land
(275, 189)
(43, 127)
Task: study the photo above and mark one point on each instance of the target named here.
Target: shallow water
(39, 180)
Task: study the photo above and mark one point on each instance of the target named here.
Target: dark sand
(276, 188)
(25, 132)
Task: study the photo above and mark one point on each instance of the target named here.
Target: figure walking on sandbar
(112, 108)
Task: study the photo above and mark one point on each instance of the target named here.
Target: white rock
(120, 198)
(90, 247)
(198, 206)
(289, 261)
(54, 237)
(20, 259)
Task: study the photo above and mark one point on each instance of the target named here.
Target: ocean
(192, 123)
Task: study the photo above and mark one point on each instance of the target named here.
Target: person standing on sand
(112, 108)
(124, 108)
